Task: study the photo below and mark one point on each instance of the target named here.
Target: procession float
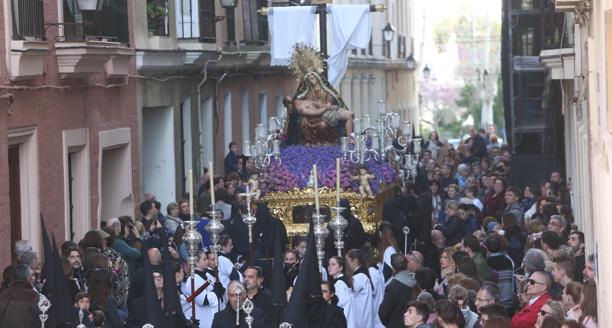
(362, 159)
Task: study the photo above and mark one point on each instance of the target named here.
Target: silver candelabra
(267, 144)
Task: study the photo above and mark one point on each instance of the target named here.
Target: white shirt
(345, 300)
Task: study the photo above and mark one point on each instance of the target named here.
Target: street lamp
(426, 72)
(410, 62)
(90, 5)
(229, 4)
(389, 32)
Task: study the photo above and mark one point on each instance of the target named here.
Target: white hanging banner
(351, 29)
(288, 26)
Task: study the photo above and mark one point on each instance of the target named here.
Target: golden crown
(305, 59)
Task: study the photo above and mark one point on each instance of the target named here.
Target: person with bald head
(236, 296)
(538, 285)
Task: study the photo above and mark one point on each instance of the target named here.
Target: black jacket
(453, 230)
(397, 295)
(227, 319)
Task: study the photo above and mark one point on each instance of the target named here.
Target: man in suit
(227, 317)
(537, 289)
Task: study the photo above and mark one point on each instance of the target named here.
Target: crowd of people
(479, 253)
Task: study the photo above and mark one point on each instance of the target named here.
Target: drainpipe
(204, 74)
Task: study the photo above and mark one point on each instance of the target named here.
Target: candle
(212, 186)
(190, 194)
(246, 148)
(276, 147)
(338, 182)
(316, 187)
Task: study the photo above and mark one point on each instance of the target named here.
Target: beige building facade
(585, 73)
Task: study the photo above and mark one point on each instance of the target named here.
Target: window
(27, 18)
(157, 17)
(196, 19)
(110, 23)
(255, 25)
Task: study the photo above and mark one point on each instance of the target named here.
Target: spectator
(511, 198)
(576, 243)
(588, 305)
(498, 260)
(487, 294)
(232, 159)
(416, 315)
(449, 314)
(537, 289)
(589, 269)
(572, 295)
(459, 295)
(454, 227)
(397, 293)
(471, 245)
(18, 301)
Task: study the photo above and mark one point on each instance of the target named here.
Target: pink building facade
(68, 119)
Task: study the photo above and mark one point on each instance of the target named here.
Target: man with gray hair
(537, 289)
(487, 294)
(534, 260)
(397, 293)
(236, 296)
(557, 224)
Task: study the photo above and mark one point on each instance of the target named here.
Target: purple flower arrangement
(296, 165)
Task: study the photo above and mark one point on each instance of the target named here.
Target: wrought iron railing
(110, 23)
(28, 19)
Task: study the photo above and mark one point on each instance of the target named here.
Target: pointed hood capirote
(307, 288)
(56, 287)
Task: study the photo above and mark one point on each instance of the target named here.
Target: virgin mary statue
(317, 113)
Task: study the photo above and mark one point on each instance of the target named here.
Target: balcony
(28, 47)
(93, 40)
(195, 19)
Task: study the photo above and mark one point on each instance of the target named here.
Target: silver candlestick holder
(192, 238)
(81, 325)
(214, 229)
(320, 233)
(338, 224)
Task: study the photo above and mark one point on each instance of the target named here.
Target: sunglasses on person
(533, 282)
(544, 313)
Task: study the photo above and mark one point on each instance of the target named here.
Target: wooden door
(14, 197)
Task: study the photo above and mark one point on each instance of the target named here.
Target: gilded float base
(294, 207)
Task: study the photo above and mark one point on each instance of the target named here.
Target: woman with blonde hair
(447, 268)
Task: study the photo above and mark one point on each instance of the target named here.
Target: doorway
(14, 197)
(159, 169)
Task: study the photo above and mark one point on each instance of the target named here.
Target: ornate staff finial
(43, 305)
(247, 307)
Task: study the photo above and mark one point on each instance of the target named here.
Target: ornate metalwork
(367, 210)
(338, 224)
(43, 305)
(214, 229)
(248, 307)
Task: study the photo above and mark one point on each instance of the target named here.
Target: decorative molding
(560, 62)
(81, 59)
(27, 59)
(582, 9)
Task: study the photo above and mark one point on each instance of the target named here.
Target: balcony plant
(157, 11)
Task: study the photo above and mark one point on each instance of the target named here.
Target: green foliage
(156, 10)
